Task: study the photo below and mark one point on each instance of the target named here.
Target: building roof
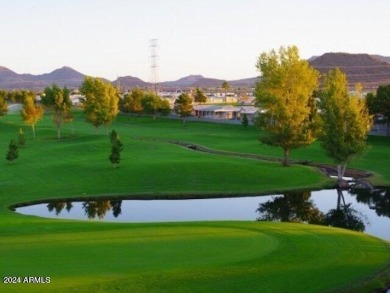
(226, 109)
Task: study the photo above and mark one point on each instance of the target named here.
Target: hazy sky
(216, 38)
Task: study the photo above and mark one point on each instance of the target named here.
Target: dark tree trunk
(340, 174)
(33, 130)
(286, 156)
(58, 132)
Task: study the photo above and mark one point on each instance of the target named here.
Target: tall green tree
(284, 93)
(383, 104)
(346, 121)
(151, 104)
(199, 96)
(3, 103)
(164, 108)
(245, 121)
(100, 103)
(372, 103)
(12, 153)
(226, 87)
(183, 106)
(116, 149)
(31, 113)
(132, 102)
(59, 101)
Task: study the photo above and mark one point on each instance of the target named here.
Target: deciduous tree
(164, 108)
(151, 104)
(59, 101)
(346, 121)
(3, 103)
(284, 93)
(31, 113)
(183, 106)
(100, 103)
(383, 104)
(132, 102)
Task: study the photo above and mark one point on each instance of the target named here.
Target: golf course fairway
(93, 256)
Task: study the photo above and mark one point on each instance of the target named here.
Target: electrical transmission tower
(153, 65)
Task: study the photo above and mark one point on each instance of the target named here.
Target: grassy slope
(172, 257)
(79, 166)
(238, 139)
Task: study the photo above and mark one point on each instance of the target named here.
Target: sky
(215, 38)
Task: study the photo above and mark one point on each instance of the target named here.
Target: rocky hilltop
(369, 70)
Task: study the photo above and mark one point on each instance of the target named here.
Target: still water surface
(374, 212)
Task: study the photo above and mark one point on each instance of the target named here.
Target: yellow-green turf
(189, 257)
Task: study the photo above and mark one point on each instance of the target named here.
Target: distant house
(250, 111)
(225, 112)
(14, 108)
(214, 98)
(76, 99)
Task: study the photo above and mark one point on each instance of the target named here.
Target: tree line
(101, 104)
(296, 112)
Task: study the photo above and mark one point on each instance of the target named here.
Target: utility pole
(154, 80)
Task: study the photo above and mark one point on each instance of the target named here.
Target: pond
(357, 209)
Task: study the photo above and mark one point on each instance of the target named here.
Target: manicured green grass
(191, 257)
(177, 257)
(77, 166)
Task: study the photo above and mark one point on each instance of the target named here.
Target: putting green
(190, 257)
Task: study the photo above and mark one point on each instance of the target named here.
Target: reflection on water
(345, 216)
(291, 207)
(357, 209)
(58, 206)
(377, 200)
(298, 207)
(92, 209)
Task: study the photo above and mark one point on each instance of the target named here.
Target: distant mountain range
(185, 82)
(370, 70)
(71, 78)
(63, 76)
